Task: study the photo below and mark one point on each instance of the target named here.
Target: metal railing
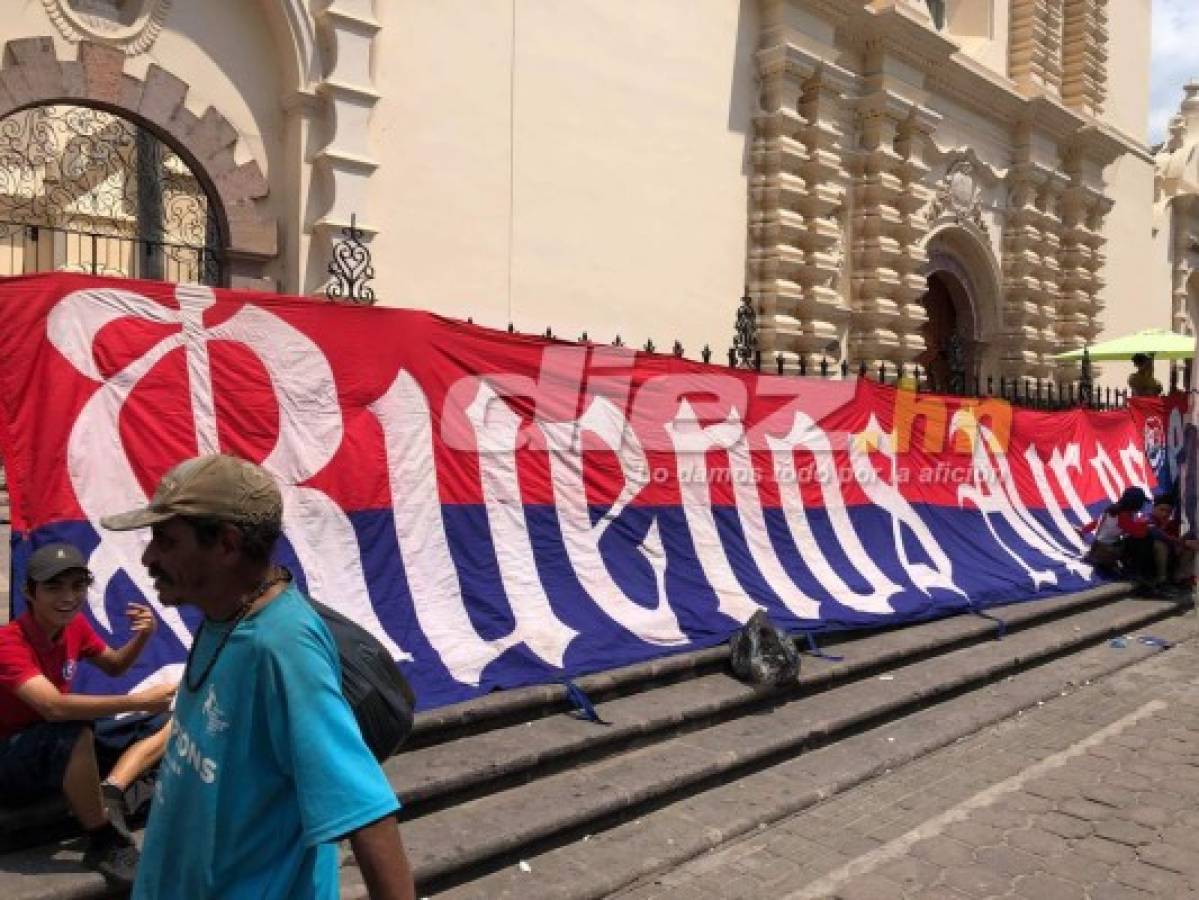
(25, 249)
(1023, 391)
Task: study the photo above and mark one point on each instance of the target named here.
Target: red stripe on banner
(533, 382)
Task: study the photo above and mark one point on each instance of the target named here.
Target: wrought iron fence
(25, 249)
(1033, 393)
(84, 190)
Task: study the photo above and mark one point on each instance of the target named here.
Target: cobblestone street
(1093, 795)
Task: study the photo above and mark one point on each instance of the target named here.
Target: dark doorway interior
(942, 358)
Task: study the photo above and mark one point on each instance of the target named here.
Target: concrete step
(600, 863)
(521, 705)
(462, 842)
(487, 753)
(474, 755)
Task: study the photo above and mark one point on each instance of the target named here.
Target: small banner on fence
(504, 510)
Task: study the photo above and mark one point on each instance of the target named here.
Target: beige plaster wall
(980, 27)
(1137, 292)
(231, 60)
(1127, 105)
(628, 180)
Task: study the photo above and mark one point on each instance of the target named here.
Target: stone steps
(590, 789)
(509, 776)
(638, 849)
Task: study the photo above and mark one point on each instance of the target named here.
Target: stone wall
(852, 174)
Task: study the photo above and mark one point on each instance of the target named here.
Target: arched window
(85, 190)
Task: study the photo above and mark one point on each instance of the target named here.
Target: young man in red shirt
(47, 734)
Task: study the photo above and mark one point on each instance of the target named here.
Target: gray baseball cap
(54, 559)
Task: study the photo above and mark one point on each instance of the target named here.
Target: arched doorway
(949, 358)
(85, 190)
(963, 334)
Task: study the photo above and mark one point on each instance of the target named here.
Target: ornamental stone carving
(131, 25)
(959, 198)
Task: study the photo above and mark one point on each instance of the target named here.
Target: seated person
(1122, 541)
(1173, 556)
(1106, 551)
(1134, 534)
(48, 737)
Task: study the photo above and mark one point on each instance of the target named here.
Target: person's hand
(158, 698)
(142, 621)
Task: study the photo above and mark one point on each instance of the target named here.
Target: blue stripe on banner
(981, 569)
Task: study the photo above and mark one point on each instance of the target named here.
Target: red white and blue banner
(504, 510)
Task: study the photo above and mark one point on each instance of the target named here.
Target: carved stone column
(1022, 290)
(797, 197)
(1084, 55)
(877, 281)
(1035, 45)
(888, 230)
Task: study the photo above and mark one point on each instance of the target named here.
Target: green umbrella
(1155, 342)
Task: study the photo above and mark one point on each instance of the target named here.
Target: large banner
(504, 510)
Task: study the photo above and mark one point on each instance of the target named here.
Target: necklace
(280, 575)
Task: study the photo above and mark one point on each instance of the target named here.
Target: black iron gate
(84, 190)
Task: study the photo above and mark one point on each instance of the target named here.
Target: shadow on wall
(743, 99)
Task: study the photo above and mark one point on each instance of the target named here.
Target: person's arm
(40, 694)
(117, 662)
(382, 860)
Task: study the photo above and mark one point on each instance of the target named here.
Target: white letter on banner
(884, 495)
(657, 624)
(691, 444)
(1061, 462)
(97, 465)
(806, 434)
(310, 433)
(536, 625)
(1109, 475)
(403, 414)
(1037, 467)
(1136, 467)
(994, 492)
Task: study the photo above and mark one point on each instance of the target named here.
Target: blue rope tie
(583, 706)
(1000, 625)
(814, 649)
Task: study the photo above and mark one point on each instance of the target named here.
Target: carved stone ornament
(958, 198)
(131, 25)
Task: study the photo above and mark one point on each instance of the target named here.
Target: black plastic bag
(376, 690)
(762, 653)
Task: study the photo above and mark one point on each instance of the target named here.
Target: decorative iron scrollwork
(745, 334)
(83, 189)
(351, 268)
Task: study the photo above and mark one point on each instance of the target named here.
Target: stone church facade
(962, 185)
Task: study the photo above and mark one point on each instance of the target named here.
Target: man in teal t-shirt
(266, 767)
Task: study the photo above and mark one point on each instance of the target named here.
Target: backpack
(762, 653)
(376, 690)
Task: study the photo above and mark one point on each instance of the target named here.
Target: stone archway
(32, 75)
(963, 277)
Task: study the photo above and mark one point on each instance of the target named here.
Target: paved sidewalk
(1093, 796)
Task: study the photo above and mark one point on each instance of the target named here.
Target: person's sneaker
(114, 805)
(117, 862)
